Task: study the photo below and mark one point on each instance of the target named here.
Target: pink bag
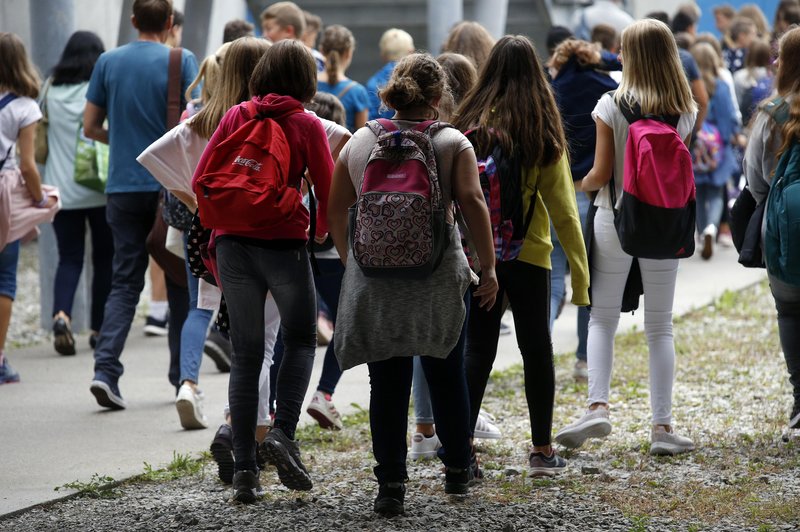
(19, 217)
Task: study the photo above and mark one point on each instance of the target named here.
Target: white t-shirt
(608, 111)
(20, 113)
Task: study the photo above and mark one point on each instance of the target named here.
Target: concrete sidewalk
(53, 432)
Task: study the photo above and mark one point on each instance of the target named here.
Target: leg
(193, 332)
(787, 303)
(69, 227)
(558, 262)
(329, 285)
(277, 358)
(159, 305)
(102, 257)
(702, 192)
(9, 259)
(272, 324)
(423, 411)
(583, 312)
(390, 383)
(178, 297)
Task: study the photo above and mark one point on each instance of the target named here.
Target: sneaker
(246, 487)
(794, 419)
(580, 372)
(389, 501)
(285, 455)
(190, 408)
(219, 349)
(593, 424)
(541, 465)
(663, 442)
(222, 451)
(485, 429)
(458, 481)
(424, 446)
(154, 327)
(107, 395)
(505, 329)
(321, 408)
(63, 342)
(709, 233)
(7, 373)
(93, 340)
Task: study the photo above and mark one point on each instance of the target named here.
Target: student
(129, 87)
(337, 45)
(273, 259)
(710, 178)
(372, 307)
(659, 89)
(309, 37)
(64, 100)
(742, 33)
(753, 83)
(20, 183)
(394, 45)
(768, 139)
(513, 97)
(235, 29)
(469, 39)
(283, 20)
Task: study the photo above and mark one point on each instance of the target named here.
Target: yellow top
(556, 198)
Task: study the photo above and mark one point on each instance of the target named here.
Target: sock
(158, 310)
(286, 428)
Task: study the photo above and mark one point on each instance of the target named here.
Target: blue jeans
(193, 332)
(390, 383)
(130, 216)
(709, 206)
(9, 258)
(247, 272)
(558, 261)
(70, 227)
(423, 411)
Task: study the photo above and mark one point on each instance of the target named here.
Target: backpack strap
(634, 113)
(346, 89)
(7, 99)
(174, 87)
(778, 109)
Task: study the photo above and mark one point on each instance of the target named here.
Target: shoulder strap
(346, 89)
(174, 87)
(423, 127)
(7, 99)
(778, 109)
(634, 113)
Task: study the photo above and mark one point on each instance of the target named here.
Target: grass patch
(97, 487)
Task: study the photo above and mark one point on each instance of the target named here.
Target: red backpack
(245, 183)
(657, 217)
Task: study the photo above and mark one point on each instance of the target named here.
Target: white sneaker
(190, 408)
(593, 424)
(580, 372)
(668, 443)
(485, 429)
(322, 409)
(424, 447)
(709, 234)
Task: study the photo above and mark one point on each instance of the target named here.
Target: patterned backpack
(397, 226)
(707, 149)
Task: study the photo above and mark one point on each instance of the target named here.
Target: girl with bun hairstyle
(428, 313)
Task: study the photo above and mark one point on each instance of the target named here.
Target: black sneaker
(63, 342)
(794, 419)
(389, 501)
(222, 451)
(107, 395)
(246, 487)
(93, 340)
(457, 481)
(219, 349)
(154, 327)
(284, 454)
(541, 465)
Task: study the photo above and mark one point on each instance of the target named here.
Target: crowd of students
(559, 131)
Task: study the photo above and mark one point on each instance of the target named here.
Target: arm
(93, 118)
(27, 164)
(701, 97)
(360, 119)
(470, 198)
(342, 196)
(320, 167)
(601, 172)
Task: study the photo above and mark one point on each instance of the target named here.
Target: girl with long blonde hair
(653, 81)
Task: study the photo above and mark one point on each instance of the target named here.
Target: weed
(182, 465)
(98, 487)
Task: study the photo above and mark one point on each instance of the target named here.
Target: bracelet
(41, 204)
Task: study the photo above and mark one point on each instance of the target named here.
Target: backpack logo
(249, 163)
(397, 226)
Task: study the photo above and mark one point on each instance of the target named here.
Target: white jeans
(610, 266)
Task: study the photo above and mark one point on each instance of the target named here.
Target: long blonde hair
(208, 74)
(653, 75)
(17, 73)
(709, 64)
(240, 61)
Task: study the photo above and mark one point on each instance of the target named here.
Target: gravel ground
(731, 397)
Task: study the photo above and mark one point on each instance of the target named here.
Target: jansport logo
(249, 163)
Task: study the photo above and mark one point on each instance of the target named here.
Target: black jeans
(247, 273)
(70, 229)
(787, 302)
(528, 290)
(390, 386)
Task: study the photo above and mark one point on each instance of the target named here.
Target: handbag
(91, 163)
(173, 266)
(40, 149)
(746, 218)
(175, 213)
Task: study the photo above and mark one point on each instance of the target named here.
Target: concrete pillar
(442, 14)
(52, 22)
(196, 25)
(127, 33)
(492, 14)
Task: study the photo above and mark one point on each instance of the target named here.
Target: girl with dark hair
(63, 102)
(513, 105)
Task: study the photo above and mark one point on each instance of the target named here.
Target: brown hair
(787, 82)
(758, 55)
(313, 22)
(471, 40)
(754, 13)
(328, 106)
(235, 29)
(461, 77)
(286, 14)
(288, 69)
(152, 16)
(588, 53)
(417, 81)
(787, 14)
(17, 74)
(336, 41)
(241, 58)
(741, 25)
(513, 96)
(709, 38)
(724, 10)
(709, 64)
(606, 35)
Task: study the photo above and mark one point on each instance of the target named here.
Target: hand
(321, 239)
(487, 291)
(578, 184)
(51, 202)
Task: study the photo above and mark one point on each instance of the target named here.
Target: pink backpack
(657, 216)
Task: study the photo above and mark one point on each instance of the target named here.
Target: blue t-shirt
(130, 83)
(689, 65)
(354, 100)
(374, 84)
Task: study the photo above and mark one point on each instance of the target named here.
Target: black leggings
(528, 290)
